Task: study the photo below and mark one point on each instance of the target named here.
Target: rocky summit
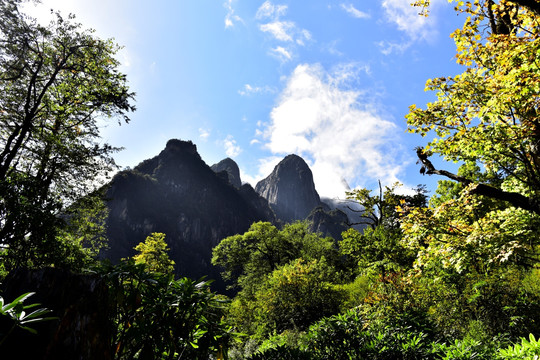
(290, 189)
(230, 167)
(196, 206)
(178, 194)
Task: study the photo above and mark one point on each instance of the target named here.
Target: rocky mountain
(231, 168)
(196, 206)
(290, 189)
(176, 193)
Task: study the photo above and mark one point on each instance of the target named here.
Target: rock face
(290, 190)
(328, 223)
(177, 194)
(231, 168)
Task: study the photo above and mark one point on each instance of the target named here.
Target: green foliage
(21, 318)
(356, 291)
(350, 336)
(247, 259)
(342, 336)
(153, 254)
(377, 250)
(297, 294)
(526, 350)
(56, 82)
(465, 349)
(288, 278)
(158, 317)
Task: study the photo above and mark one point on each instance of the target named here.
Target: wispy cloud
(232, 149)
(337, 130)
(354, 12)
(388, 48)
(281, 53)
(281, 30)
(407, 19)
(284, 31)
(204, 133)
(269, 10)
(251, 90)
(231, 18)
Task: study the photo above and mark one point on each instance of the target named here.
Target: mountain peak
(231, 168)
(290, 189)
(180, 145)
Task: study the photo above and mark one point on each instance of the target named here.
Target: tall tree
(489, 114)
(56, 83)
(488, 118)
(153, 254)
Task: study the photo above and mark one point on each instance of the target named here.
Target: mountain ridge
(196, 206)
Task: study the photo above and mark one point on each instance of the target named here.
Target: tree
(489, 113)
(378, 248)
(56, 81)
(298, 294)
(153, 254)
(246, 259)
(380, 209)
(485, 117)
(478, 240)
(284, 278)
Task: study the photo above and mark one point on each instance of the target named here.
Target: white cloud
(337, 132)
(332, 48)
(269, 10)
(281, 30)
(231, 18)
(204, 133)
(354, 12)
(303, 36)
(231, 147)
(388, 48)
(281, 53)
(407, 19)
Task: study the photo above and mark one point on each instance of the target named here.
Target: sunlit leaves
(489, 112)
(153, 254)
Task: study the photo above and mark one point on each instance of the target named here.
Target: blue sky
(255, 80)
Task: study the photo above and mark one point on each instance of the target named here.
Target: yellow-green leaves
(153, 254)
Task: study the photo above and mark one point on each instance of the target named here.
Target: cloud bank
(333, 127)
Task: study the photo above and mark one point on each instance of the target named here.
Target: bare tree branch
(515, 199)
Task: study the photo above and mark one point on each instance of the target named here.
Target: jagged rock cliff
(176, 193)
(231, 168)
(290, 190)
